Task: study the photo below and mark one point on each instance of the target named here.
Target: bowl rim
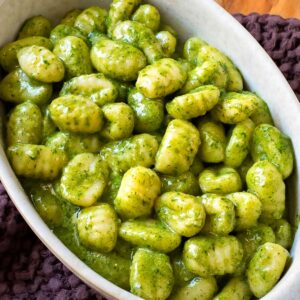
(78, 267)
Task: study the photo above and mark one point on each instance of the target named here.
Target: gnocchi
(75, 55)
(141, 37)
(149, 160)
(76, 114)
(35, 26)
(266, 267)
(41, 64)
(145, 233)
(220, 180)
(182, 212)
(151, 275)
(24, 125)
(178, 148)
(212, 255)
(117, 60)
(148, 15)
(83, 179)
(132, 200)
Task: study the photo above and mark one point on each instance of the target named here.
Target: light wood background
(284, 8)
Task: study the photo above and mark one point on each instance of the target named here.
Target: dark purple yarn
(281, 39)
(28, 271)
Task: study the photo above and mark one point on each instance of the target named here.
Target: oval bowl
(209, 21)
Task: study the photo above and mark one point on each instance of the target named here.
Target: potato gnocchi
(152, 164)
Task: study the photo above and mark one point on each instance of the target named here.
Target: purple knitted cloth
(27, 268)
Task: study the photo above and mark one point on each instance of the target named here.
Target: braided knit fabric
(281, 39)
(28, 271)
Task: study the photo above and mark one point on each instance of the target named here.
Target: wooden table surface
(284, 8)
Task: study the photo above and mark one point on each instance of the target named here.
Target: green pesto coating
(220, 214)
(36, 161)
(235, 107)
(124, 249)
(41, 64)
(244, 168)
(48, 126)
(76, 114)
(117, 60)
(35, 26)
(73, 144)
(210, 72)
(98, 227)
(183, 213)
(181, 274)
(141, 37)
(46, 203)
(91, 19)
(149, 113)
(166, 121)
(148, 15)
(8, 53)
(139, 188)
(151, 234)
(168, 42)
(209, 53)
(119, 121)
(162, 78)
(138, 150)
(178, 148)
(265, 181)
(191, 49)
(127, 204)
(269, 143)
(17, 87)
(220, 180)
(111, 266)
(123, 89)
(112, 187)
(266, 267)
(186, 65)
(83, 179)
(62, 30)
(94, 86)
(251, 239)
(247, 209)
(194, 104)
(262, 113)
(197, 289)
(94, 37)
(24, 124)
(75, 55)
(238, 144)
(283, 232)
(236, 288)
(212, 255)
(120, 10)
(70, 17)
(184, 183)
(151, 275)
(197, 166)
(213, 141)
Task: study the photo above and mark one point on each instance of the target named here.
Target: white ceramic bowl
(205, 19)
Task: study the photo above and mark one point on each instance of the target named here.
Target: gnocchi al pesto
(153, 165)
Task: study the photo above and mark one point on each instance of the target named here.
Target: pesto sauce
(112, 266)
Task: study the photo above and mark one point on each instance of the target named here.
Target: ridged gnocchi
(149, 160)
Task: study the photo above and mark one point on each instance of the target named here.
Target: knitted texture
(281, 40)
(28, 270)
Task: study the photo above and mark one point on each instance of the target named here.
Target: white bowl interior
(201, 18)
